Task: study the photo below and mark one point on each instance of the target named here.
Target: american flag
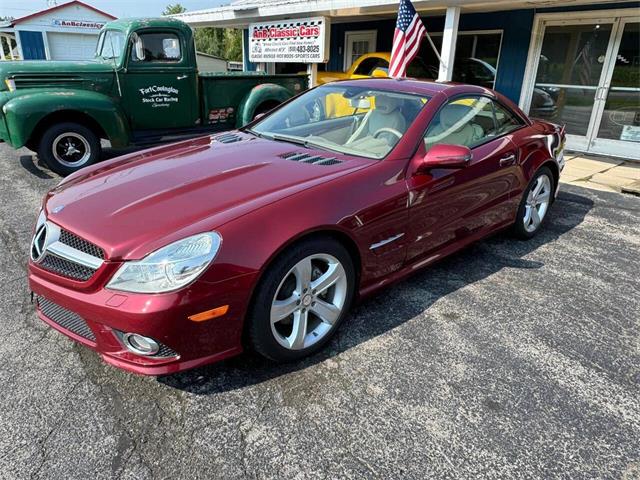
(406, 40)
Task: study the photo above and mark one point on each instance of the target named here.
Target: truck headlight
(169, 268)
(11, 84)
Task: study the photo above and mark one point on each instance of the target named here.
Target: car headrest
(453, 113)
(387, 104)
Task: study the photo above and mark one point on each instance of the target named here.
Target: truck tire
(68, 147)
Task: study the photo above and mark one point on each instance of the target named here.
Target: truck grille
(65, 318)
(66, 268)
(311, 159)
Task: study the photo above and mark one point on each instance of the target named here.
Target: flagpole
(435, 50)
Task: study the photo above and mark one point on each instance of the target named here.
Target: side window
(465, 121)
(368, 65)
(156, 47)
(505, 120)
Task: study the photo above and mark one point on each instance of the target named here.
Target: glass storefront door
(587, 77)
(619, 125)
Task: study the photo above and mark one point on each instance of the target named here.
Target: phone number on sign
(305, 49)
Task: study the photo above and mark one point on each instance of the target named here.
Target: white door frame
(617, 18)
(373, 36)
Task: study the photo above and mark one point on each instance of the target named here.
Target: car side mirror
(379, 73)
(446, 156)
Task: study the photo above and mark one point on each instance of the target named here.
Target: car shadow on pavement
(396, 304)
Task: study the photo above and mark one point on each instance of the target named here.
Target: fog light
(140, 345)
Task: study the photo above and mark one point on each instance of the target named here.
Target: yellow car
(377, 65)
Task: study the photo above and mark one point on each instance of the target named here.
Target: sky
(118, 8)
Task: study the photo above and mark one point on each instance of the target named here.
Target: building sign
(304, 40)
(78, 24)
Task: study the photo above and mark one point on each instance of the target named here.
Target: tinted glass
(505, 120)
(347, 119)
(466, 121)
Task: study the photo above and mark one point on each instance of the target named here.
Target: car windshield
(110, 44)
(346, 119)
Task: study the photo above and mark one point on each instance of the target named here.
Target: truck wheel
(68, 147)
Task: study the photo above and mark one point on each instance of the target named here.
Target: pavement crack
(62, 418)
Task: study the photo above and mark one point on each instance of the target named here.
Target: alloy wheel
(308, 301)
(71, 149)
(537, 203)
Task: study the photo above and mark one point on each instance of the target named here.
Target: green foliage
(222, 42)
(174, 9)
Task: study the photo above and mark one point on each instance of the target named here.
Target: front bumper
(163, 317)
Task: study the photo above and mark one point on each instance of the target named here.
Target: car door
(160, 82)
(450, 207)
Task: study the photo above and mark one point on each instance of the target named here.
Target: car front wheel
(301, 300)
(535, 204)
(68, 147)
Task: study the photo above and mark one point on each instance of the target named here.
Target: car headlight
(169, 268)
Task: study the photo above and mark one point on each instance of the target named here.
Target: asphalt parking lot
(509, 360)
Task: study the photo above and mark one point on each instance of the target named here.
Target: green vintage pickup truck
(142, 88)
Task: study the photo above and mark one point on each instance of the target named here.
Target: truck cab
(142, 88)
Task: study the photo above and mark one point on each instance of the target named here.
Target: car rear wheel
(535, 204)
(68, 147)
(301, 300)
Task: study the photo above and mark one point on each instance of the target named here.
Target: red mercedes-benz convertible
(185, 254)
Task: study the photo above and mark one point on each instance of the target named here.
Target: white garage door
(71, 46)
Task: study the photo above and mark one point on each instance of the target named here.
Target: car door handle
(508, 160)
(181, 77)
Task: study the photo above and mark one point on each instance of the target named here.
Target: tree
(222, 42)
(174, 9)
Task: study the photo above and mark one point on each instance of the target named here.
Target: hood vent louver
(228, 138)
(310, 159)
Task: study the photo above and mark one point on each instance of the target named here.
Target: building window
(358, 43)
(477, 55)
(9, 48)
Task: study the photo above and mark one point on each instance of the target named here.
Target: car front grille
(165, 351)
(81, 244)
(65, 253)
(66, 268)
(65, 318)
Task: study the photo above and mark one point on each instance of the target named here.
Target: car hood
(132, 205)
(36, 73)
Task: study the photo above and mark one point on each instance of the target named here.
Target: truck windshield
(346, 119)
(110, 44)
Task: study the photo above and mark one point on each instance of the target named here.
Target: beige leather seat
(386, 114)
(455, 127)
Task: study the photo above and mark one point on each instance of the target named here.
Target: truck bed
(222, 92)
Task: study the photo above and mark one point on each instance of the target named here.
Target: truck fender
(259, 95)
(24, 114)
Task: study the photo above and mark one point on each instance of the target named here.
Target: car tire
(289, 318)
(68, 147)
(534, 206)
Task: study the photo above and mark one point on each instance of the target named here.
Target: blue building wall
(516, 26)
